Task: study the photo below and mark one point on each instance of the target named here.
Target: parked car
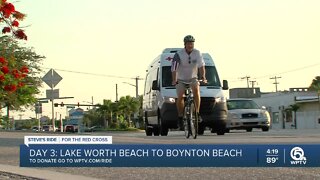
(71, 128)
(246, 114)
(47, 128)
(36, 129)
(58, 129)
(93, 129)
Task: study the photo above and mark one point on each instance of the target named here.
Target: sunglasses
(189, 60)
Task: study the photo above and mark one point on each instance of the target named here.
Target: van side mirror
(155, 85)
(225, 85)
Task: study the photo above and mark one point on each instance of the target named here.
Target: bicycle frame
(191, 128)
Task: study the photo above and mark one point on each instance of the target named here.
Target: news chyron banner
(98, 151)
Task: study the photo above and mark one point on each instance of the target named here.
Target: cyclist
(185, 66)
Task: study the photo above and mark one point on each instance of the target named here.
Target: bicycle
(190, 114)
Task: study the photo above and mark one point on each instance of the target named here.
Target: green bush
(123, 123)
(113, 125)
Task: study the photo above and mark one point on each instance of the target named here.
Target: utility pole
(116, 92)
(275, 81)
(137, 86)
(52, 103)
(252, 83)
(246, 77)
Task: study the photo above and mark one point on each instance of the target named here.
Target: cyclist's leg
(196, 94)
(180, 87)
(180, 101)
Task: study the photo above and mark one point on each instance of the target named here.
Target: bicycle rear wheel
(194, 119)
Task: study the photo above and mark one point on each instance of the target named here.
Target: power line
(284, 72)
(289, 71)
(137, 78)
(93, 74)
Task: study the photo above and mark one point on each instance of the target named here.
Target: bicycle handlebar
(199, 80)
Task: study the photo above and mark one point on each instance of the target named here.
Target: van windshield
(211, 75)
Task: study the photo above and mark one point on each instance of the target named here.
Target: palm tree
(114, 112)
(104, 110)
(107, 111)
(91, 118)
(128, 105)
(315, 85)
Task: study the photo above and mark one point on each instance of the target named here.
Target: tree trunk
(105, 124)
(111, 119)
(116, 119)
(129, 120)
(8, 115)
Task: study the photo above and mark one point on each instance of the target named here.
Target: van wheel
(249, 129)
(201, 128)
(148, 130)
(220, 132)
(156, 130)
(163, 128)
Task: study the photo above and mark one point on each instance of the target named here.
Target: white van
(159, 107)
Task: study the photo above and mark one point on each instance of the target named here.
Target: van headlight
(220, 99)
(169, 100)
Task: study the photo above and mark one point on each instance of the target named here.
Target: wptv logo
(297, 154)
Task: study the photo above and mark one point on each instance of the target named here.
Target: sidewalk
(40, 174)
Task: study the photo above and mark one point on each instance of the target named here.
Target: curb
(41, 174)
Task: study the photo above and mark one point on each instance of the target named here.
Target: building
(244, 93)
(75, 116)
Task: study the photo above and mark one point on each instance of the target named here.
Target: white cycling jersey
(186, 65)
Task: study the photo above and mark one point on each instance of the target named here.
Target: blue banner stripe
(168, 155)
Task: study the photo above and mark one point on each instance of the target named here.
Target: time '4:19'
(272, 151)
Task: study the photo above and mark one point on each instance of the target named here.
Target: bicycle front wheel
(194, 119)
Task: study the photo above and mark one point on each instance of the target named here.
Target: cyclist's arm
(174, 67)
(202, 69)
(174, 78)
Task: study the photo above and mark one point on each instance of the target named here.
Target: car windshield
(241, 104)
(211, 75)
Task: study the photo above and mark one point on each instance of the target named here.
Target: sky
(256, 38)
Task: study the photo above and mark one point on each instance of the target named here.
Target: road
(10, 141)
